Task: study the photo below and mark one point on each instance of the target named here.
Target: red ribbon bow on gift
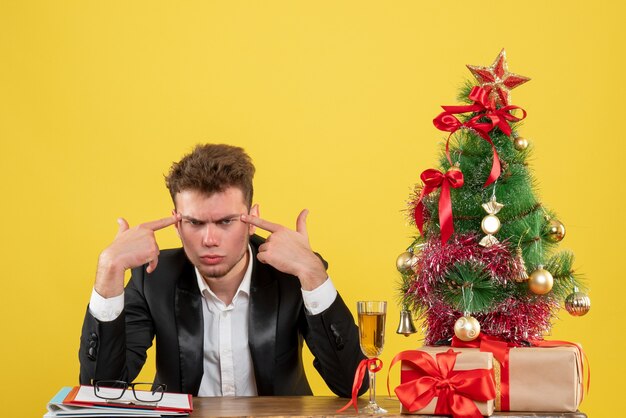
(486, 108)
(434, 179)
(456, 390)
(368, 364)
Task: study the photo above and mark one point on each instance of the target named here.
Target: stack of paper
(80, 401)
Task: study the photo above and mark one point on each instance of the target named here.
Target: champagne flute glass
(372, 316)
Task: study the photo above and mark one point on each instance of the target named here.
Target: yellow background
(334, 102)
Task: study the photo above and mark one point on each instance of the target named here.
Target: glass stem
(372, 387)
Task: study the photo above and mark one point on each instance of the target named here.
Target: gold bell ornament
(406, 326)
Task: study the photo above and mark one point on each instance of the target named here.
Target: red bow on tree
(485, 108)
(434, 179)
(455, 390)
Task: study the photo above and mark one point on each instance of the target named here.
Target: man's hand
(289, 251)
(132, 247)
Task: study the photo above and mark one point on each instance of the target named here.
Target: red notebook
(172, 402)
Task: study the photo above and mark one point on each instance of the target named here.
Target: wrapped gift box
(468, 359)
(541, 379)
(545, 379)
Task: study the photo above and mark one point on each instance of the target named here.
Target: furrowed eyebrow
(233, 217)
(191, 218)
(224, 218)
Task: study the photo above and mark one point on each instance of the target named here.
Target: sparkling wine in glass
(372, 316)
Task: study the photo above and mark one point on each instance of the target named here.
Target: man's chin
(214, 272)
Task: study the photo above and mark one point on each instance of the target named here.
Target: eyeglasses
(113, 390)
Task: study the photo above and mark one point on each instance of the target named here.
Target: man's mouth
(212, 259)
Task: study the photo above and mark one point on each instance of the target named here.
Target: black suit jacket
(167, 304)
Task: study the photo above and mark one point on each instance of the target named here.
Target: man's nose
(210, 237)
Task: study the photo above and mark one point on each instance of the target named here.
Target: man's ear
(254, 211)
(177, 224)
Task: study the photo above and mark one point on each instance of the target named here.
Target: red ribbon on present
(500, 350)
(433, 180)
(486, 108)
(456, 390)
(368, 364)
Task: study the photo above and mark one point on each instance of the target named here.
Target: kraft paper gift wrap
(467, 359)
(545, 379)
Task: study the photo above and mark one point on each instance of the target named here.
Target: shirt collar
(244, 286)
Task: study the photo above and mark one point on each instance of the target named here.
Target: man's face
(213, 236)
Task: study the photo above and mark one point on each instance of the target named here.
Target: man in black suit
(229, 310)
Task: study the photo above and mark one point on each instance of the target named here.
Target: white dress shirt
(228, 368)
(226, 339)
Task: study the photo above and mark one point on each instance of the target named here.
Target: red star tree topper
(497, 79)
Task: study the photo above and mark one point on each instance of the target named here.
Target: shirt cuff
(103, 309)
(319, 299)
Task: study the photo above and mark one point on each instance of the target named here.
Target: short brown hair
(212, 168)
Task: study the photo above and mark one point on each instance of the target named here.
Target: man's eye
(226, 221)
(194, 222)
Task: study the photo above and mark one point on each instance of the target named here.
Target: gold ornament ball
(454, 167)
(577, 304)
(556, 230)
(540, 281)
(405, 262)
(520, 143)
(466, 328)
(490, 224)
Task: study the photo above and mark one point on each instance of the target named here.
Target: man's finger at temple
(261, 223)
(161, 223)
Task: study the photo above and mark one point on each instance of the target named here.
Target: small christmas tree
(485, 259)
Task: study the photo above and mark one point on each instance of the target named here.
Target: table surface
(316, 406)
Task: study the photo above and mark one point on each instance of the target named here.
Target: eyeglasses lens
(110, 389)
(145, 393)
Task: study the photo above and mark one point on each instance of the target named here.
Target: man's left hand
(289, 251)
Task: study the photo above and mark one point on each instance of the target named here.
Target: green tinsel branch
(560, 265)
(469, 288)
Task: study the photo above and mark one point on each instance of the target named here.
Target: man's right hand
(132, 247)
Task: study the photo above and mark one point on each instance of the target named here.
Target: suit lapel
(263, 317)
(188, 306)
